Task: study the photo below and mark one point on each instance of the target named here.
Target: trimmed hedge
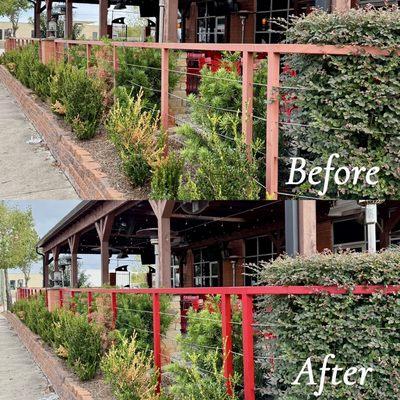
(362, 331)
(350, 105)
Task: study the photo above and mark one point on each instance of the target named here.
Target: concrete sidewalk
(27, 171)
(20, 377)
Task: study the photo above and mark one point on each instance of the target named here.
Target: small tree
(12, 10)
(17, 242)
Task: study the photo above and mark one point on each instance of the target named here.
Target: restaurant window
(349, 234)
(268, 30)
(211, 22)
(206, 267)
(12, 284)
(257, 249)
(175, 275)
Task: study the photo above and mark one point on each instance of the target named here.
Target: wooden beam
(46, 270)
(341, 5)
(36, 19)
(307, 227)
(56, 253)
(171, 21)
(208, 218)
(73, 243)
(104, 227)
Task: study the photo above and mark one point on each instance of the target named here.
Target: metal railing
(273, 54)
(246, 296)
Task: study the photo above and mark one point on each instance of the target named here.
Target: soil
(104, 152)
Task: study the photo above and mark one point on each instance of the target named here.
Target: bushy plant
(135, 314)
(350, 104)
(201, 378)
(25, 65)
(361, 330)
(129, 370)
(79, 342)
(215, 169)
(140, 69)
(166, 175)
(134, 130)
(80, 97)
(220, 97)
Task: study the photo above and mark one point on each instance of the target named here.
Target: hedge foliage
(348, 105)
(362, 331)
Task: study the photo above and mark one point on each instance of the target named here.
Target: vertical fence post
(248, 347)
(46, 299)
(157, 338)
(164, 88)
(72, 305)
(89, 305)
(68, 52)
(247, 98)
(272, 142)
(60, 298)
(88, 55)
(115, 66)
(114, 308)
(226, 312)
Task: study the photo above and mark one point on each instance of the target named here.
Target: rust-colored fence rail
(58, 49)
(246, 295)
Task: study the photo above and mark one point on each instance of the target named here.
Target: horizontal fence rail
(246, 295)
(272, 52)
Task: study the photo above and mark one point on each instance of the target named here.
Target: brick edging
(81, 169)
(64, 386)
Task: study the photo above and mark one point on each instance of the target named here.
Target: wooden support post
(103, 18)
(68, 19)
(247, 98)
(164, 89)
(157, 338)
(171, 21)
(73, 242)
(163, 211)
(49, 11)
(272, 142)
(103, 227)
(341, 5)
(226, 312)
(36, 19)
(248, 347)
(46, 270)
(307, 227)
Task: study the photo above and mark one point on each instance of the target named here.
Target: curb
(78, 165)
(63, 385)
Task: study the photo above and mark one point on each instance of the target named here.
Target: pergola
(95, 227)
(149, 8)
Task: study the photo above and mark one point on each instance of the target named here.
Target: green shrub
(135, 315)
(221, 90)
(361, 330)
(79, 342)
(134, 130)
(80, 98)
(216, 169)
(166, 176)
(25, 65)
(129, 371)
(200, 380)
(351, 103)
(139, 69)
(36, 317)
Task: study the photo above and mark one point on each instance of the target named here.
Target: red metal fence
(272, 52)
(246, 296)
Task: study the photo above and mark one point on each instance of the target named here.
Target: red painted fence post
(114, 308)
(226, 311)
(89, 305)
(60, 298)
(88, 55)
(46, 299)
(164, 88)
(248, 347)
(157, 337)
(72, 304)
(272, 142)
(247, 98)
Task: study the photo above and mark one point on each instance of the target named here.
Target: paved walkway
(20, 377)
(27, 171)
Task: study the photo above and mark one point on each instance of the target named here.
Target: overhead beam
(208, 218)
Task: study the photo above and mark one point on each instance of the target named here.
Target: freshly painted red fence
(245, 294)
(59, 49)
